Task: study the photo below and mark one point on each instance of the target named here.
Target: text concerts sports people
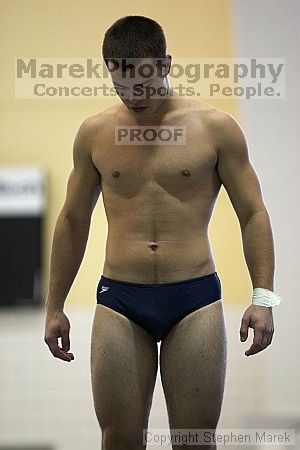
(159, 280)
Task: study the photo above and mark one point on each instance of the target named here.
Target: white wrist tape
(265, 297)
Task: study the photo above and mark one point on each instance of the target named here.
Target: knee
(122, 438)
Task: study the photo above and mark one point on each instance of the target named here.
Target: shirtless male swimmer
(159, 281)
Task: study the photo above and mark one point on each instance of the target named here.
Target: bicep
(84, 182)
(236, 172)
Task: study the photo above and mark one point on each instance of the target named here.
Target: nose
(135, 97)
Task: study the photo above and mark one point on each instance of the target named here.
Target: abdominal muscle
(146, 257)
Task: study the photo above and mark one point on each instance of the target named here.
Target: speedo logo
(103, 289)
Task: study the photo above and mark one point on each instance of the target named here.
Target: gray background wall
(271, 28)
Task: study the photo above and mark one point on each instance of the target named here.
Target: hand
(58, 326)
(261, 319)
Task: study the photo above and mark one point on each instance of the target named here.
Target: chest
(178, 168)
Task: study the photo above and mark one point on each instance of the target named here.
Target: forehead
(138, 70)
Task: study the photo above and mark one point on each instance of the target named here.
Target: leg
(193, 366)
(124, 361)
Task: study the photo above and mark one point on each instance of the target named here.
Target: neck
(164, 106)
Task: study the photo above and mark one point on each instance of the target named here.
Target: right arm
(70, 238)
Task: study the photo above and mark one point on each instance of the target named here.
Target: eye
(119, 89)
(146, 86)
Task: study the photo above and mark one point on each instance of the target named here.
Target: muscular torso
(158, 199)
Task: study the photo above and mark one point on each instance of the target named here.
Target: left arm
(242, 185)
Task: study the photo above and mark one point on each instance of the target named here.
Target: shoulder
(92, 125)
(223, 126)
(214, 118)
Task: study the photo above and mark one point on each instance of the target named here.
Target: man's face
(143, 85)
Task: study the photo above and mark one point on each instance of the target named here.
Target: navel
(153, 246)
(116, 174)
(186, 173)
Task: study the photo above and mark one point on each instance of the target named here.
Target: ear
(166, 65)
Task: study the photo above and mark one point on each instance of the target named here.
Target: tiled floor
(46, 402)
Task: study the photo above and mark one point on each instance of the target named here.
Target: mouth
(138, 109)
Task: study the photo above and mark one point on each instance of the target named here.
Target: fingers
(56, 351)
(257, 343)
(262, 338)
(58, 326)
(268, 335)
(244, 328)
(65, 340)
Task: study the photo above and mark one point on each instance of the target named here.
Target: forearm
(68, 247)
(259, 250)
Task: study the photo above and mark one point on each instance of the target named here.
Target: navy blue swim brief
(158, 307)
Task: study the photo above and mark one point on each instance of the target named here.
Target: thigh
(123, 370)
(193, 366)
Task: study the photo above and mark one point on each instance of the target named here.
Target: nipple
(116, 174)
(153, 246)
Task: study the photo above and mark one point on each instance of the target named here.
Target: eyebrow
(140, 84)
